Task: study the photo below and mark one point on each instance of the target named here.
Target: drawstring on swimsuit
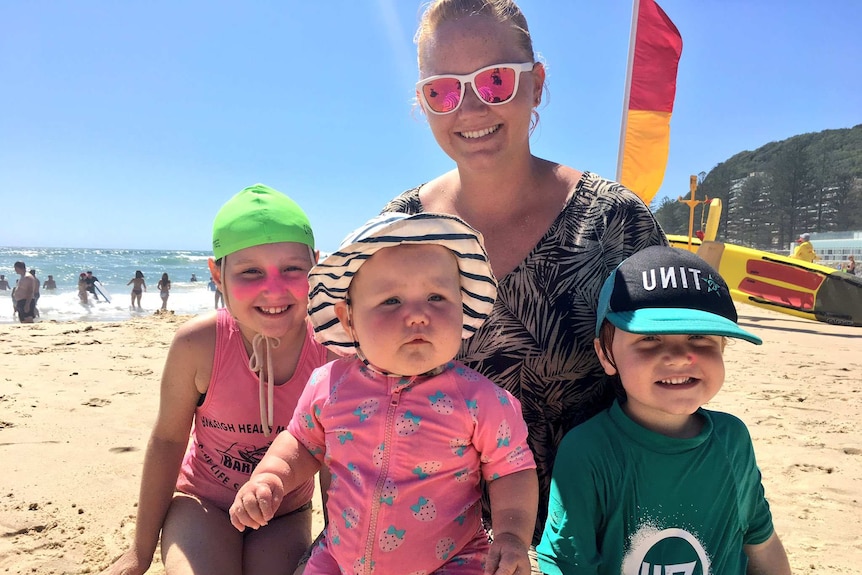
(261, 351)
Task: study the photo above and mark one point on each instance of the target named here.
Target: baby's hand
(256, 502)
(508, 556)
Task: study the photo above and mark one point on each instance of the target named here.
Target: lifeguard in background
(804, 250)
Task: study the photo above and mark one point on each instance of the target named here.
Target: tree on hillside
(717, 184)
(792, 187)
(672, 216)
(807, 183)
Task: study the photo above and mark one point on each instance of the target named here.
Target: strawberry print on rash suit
(406, 457)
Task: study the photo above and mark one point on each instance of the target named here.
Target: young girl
(222, 374)
(407, 433)
(138, 287)
(656, 483)
(164, 288)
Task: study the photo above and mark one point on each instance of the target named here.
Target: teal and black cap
(665, 290)
(256, 216)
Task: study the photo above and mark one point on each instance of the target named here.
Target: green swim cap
(256, 216)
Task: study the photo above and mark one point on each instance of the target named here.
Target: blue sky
(128, 124)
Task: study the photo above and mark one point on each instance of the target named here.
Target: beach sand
(77, 401)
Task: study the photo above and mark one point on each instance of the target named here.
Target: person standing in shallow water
(164, 287)
(24, 294)
(552, 232)
(138, 287)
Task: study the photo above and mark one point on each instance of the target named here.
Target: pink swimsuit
(407, 456)
(227, 441)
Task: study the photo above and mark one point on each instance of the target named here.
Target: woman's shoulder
(407, 202)
(607, 189)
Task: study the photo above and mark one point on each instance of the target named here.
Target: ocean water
(114, 268)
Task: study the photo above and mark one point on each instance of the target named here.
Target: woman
(553, 233)
(138, 287)
(164, 288)
(222, 374)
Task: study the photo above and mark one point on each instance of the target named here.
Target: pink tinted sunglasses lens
(443, 94)
(493, 86)
(496, 86)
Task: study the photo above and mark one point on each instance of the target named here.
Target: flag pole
(628, 88)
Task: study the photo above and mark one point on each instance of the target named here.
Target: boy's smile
(666, 377)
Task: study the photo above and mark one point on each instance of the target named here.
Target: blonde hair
(503, 11)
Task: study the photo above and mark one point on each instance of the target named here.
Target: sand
(77, 401)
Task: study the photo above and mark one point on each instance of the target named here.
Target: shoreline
(78, 401)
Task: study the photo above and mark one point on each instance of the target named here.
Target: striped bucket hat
(330, 279)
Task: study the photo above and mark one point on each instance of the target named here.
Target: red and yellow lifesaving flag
(654, 52)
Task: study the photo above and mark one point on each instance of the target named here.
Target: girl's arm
(168, 441)
(767, 558)
(514, 501)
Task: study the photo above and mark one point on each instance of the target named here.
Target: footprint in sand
(807, 467)
(97, 402)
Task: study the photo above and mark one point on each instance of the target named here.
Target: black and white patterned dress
(538, 342)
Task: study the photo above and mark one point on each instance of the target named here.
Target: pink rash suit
(406, 456)
(227, 440)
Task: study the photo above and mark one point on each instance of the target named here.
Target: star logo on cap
(711, 285)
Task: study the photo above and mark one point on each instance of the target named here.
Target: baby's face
(406, 308)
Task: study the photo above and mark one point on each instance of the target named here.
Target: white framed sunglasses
(494, 85)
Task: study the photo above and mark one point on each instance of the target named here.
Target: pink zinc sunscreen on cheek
(272, 283)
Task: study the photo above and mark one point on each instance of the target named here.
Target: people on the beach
(804, 250)
(164, 287)
(139, 285)
(24, 294)
(223, 374)
(552, 233)
(91, 284)
(4, 283)
(851, 265)
(219, 299)
(83, 288)
(656, 480)
(49, 284)
(407, 433)
(36, 293)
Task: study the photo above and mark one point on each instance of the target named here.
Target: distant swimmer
(49, 284)
(36, 295)
(164, 288)
(219, 298)
(91, 284)
(82, 288)
(138, 287)
(24, 294)
(4, 283)
(194, 278)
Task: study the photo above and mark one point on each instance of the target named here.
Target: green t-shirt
(628, 501)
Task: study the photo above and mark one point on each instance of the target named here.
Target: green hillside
(807, 183)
